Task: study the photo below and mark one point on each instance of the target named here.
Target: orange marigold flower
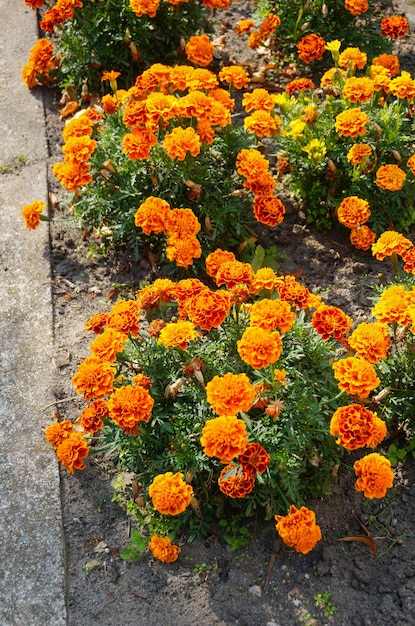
(258, 100)
(91, 417)
(390, 177)
(359, 153)
(243, 26)
(110, 75)
(370, 341)
(331, 322)
(403, 86)
(141, 380)
(362, 237)
(381, 78)
(177, 334)
(31, 214)
(199, 50)
(206, 132)
(110, 104)
(259, 348)
(280, 376)
(222, 96)
(182, 222)
(94, 378)
(71, 452)
(390, 242)
(239, 294)
(268, 25)
(181, 141)
(411, 163)
(232, 273)
(299, 530)
(128, 406)
(184, 290)
(96, 323)
(250, 163)
(355, 376)
(235, 482)
(351, 122)
(72, 175)
(255, 39)
(234, 75)
(262, 124)
(357, 427)
(57, 432)
(409, 258)
(310, 115)
(331, 76)
(151, 215)
(388, 61)
(271, 315)
(155, 327)
(269, 210)
(255, 459)
(137, 145)
(201, 79)
(358, 88)
(215, 259)
(163, 550)
(124, 316)
(299, 84)
(356, 7)
(145, 7)
(183, 249)
(262, 185)
(170, 494)
(208, 309)
(34, 4)
(353, 58)
(393, 306)
(291, 291)
(265, 279)
(374, 475)
(353, 211)
(230, 394)
(106, 345)
(311, 48)
(224, 437)
(394, 26)
(79, 148)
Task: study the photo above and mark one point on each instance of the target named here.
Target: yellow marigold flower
(244, 26)
(394, 26)
(145, 7)
(388, 61)
(215, 259)
(208, 309)
(281, 377)
(374, 475)
(353, 211)
(352, 57)
(403, 86)
(94, 378)
(236, 482)
(298, 529)
(331, 322)
(262, 124)
(259, 348)
(163, 550)
(359, 153)
(271, 315)
(106, 345)
(297, 128)
(181, 141)
(57, 432)
(269, 210)
(234, 75)
(358, 88)
(355, 376)
(258, 100)
(390, 242)
(230, 394)
(199, 50)
(316, 150)
(71, 452)
(334, 45)
(128, 406)
(356, 7)
(390, 177)
(151, 215)
(362, 237)
(351, 122)
(177, 334)
(265, 278)
(170, 494)
(224, 437)
(371, 341)
(357, 427)
(393, 306)
(311, 48)
(232, 273)
(31, 214)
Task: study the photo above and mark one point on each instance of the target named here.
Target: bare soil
(265, 583)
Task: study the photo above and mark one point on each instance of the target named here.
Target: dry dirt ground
(265, 583)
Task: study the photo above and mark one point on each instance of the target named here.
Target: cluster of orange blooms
(40, 65)
(61, 11)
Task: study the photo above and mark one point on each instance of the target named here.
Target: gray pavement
(32, 573)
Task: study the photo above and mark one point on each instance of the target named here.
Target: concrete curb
(32, 567)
